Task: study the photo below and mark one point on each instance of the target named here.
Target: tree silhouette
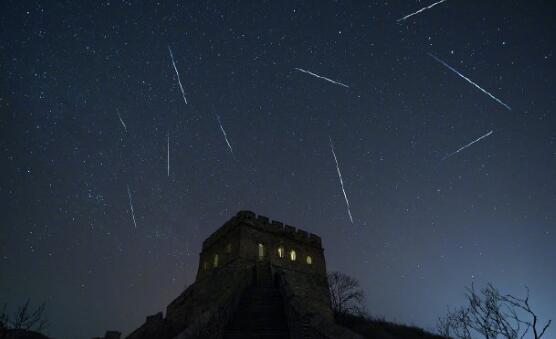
(24, 318)
(490, 314)
(345, 294)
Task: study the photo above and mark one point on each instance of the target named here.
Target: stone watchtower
(252, 239)
(256, 278)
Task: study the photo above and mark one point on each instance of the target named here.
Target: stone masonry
(256, 278)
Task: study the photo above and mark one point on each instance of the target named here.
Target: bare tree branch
(345, 294)
(24, 319)
(491, 315)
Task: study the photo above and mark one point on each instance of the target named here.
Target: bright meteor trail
(225, 135)
(469, 144)
(122, 121)
(321, 77)
(341, 181)
(131, 206)
(421, 10)
(469, 80)
(178, 74)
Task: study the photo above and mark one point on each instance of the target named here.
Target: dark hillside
(381, 329)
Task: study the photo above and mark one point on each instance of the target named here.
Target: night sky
(423, 227)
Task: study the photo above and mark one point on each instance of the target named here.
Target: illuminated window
(309, 260)
(261, 251)
(292, 255)
(215, 261)
(229, 248)
(280, 252)
(205, 265)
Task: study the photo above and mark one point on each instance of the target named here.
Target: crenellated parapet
(265, 224)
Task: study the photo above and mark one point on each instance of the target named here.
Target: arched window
(292, 255)
(280, 252)
(215, 261)
(261, 251)
(309, 260)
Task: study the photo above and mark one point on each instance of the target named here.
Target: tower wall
(229, 263)
(237, 244)
(242, 235)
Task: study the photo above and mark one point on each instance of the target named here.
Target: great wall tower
(256, 278)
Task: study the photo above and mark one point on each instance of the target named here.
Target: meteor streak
(121, 120)
(341, 180)
(178, 74)
(131, 206)
(469, 144)
(469, 81)
(421, 10)
(321, 77)
(225, 135)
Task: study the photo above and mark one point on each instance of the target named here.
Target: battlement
(264, 224)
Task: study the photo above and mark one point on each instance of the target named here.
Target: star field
(94, 123)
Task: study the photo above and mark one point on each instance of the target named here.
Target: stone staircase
(260, 314)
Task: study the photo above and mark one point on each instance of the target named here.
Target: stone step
(260, 313)
(259, 323)
(260, 308)
(265, 289)
(266, 334)
(263, 314)
(270, 295)
(262, 299)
